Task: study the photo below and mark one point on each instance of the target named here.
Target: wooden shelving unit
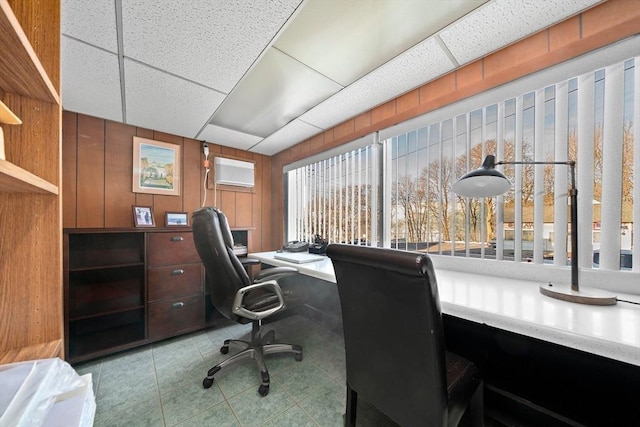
(128, 287)
(104, 291)
(31, 323)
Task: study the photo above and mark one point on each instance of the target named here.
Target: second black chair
(394, 340)
(236, 296)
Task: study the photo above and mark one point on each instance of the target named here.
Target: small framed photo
(176, 219)
(143, 216)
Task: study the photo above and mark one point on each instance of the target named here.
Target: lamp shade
(485, 181)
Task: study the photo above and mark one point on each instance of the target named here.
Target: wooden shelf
(104, 267)
(14, 179)
(20, 69)
(45, 350)
(103, 309)
(106, 341)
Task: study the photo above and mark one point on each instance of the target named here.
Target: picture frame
(143, 216)
(176, 219)
(156, 167)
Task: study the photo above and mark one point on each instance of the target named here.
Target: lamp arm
(573, 194)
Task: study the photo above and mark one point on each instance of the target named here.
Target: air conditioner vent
(233, 172)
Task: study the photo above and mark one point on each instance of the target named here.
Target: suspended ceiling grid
(263, 75)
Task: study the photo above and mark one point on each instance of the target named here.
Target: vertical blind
(588, 118)
(333, 198)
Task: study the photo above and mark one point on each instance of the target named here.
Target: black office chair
(236, 297)
(394, 340)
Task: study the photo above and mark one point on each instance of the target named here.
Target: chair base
(255, 349)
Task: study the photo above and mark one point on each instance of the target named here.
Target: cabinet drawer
(171, 248)
(174, 281)
(177, 315)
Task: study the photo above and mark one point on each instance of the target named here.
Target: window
(582, 110)
(334, 199)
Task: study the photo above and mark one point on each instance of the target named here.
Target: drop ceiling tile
(344, 43)
(161, 101)
(502, 22)
(285, 137)
(417, 66)
(277, 90)
(91, 21)
(90, 80)
(210, 42)
(228, 137)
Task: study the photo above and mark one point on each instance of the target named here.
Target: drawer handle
(177, 304)
(177, 239)
(177, 272)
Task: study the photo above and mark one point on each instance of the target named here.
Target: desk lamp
(488, 182)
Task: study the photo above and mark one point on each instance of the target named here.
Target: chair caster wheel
(298, 357)
(207, 382)
(224, 349)
(263, 390)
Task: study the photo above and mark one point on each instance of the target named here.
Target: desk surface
(517, 306)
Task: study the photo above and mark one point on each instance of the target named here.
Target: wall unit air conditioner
(233, 172)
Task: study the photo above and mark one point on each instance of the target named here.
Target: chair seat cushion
(260, 300)
(463, 379)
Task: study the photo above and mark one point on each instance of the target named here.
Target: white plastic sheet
(45, 392)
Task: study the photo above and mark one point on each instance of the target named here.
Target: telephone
(319, 246)
(296, 246)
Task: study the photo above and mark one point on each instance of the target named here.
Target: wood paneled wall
(97, 162)
(597, 27)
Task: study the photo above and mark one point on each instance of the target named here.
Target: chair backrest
(393, 332)
(225, 273)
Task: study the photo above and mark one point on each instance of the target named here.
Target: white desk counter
(517, 306)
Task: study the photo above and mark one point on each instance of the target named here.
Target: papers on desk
(298, 257)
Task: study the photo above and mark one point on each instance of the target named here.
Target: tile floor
(161, 384)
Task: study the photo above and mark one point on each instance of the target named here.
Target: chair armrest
(248, 261)
(257, 315)
(273, 273)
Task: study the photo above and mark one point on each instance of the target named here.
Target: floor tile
(143, 414)
(254, 410)
(219, 415)
(182, 404)
(175, 352)
(300, 380)
(161, 384)
(180, 375)
(121, 390)
(293, 417)
(326, 405)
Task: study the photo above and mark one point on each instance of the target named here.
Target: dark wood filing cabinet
(174, 284)
(128, 287)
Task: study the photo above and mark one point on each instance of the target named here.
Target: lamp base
(583, 296)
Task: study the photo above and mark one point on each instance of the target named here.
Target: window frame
(619, 281)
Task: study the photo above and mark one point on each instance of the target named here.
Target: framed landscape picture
(176, 219)
(156, 167)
